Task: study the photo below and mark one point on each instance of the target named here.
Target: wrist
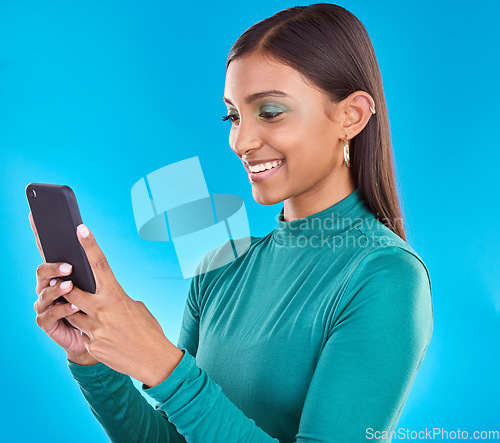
(164, 366)
(84, 360)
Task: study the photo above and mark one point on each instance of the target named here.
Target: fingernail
(65, 284)
(52, 282)
(74, 307)
(83, 230)
(65, 267)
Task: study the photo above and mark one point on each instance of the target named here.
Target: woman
(316, 333)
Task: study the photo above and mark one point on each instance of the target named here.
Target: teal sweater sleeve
(122, 411)
(374, 349)
(126, 416)
(375, 343)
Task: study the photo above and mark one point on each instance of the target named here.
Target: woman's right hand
(50, 312)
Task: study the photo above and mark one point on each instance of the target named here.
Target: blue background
(96, 95)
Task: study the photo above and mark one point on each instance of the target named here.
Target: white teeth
(264, 166)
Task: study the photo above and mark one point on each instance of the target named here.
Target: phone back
(56, 216)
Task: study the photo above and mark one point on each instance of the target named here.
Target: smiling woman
(312, 59)
(317, 332)
(296, 124)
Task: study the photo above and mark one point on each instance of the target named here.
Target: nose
(244, 138)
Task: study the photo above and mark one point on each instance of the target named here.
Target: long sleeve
(120, 408)
(197, 406)
(193, 401)
(375, 347)
(122, 411)
(363, 375)
(126, 416)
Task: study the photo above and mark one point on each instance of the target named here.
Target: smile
(263, 171)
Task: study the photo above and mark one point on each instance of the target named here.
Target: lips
(264, 161)
(256, 177)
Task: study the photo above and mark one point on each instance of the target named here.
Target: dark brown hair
(330, 47)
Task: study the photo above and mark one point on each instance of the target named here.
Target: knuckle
(39, 320)
(99, 334)
(101, 263)
(96, 333)
(100, 314)
(98, 307)
(50, 311)
(39, 270)
(42, 295)
(45, 295)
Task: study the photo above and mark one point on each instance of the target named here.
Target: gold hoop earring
(346, 153)
(372, 109)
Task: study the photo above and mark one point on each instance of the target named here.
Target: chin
(267, 198)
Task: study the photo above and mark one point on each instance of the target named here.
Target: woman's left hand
(118, 331)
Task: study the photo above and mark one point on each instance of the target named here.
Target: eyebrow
(252, 97)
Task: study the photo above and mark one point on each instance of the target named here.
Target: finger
(38, 244)
(81, 322)
(51, 293)
(86, 301)
(51, 270)
(48, 319)
(98, 262)
(47, 271)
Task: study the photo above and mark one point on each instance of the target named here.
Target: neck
(329, 223)
(307, 203)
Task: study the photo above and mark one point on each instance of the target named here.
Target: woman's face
(276, 116)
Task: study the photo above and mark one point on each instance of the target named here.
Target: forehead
(254, 72)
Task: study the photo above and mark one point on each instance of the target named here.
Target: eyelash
(268, 115)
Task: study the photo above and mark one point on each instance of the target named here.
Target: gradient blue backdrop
(97, 94)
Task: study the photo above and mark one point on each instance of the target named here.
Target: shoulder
(388, 274)
(389, 292)
(385, 251)
(215, 263)
(395, 265)
(224, 255)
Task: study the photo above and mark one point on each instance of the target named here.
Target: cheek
(304, 141)
(310, 151)
(315, 140)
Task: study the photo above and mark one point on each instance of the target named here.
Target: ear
(357, 113)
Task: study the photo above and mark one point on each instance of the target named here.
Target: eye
(269, 115)
(271, 111)
(233, 117)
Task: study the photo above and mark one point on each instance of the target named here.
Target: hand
(50, 312)
(118, 331)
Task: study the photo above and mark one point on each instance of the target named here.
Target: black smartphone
(56, 215)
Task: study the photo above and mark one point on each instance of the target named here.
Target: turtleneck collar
(330, 222)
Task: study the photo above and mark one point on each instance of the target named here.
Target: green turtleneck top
(314, 334)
